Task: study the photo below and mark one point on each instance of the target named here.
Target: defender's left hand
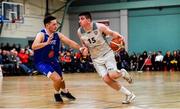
(84, 51)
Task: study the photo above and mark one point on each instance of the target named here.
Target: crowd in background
(16, 60)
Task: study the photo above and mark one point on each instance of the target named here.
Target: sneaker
(68, 96)
(58, 98)
(129, 98)
(33, 73)
(127, 77)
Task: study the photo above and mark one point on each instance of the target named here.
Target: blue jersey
(49, 53)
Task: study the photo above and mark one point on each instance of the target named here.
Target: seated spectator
(125, 60)
(24, 60)
(84, 64)
(153, 56)
(8, 66)
(22, 67)
(76, 62)
(148, 64)
(23, 55)
(118, 60)
(159, 61)
(133, 62)
(68, 60)
(61, 59)
(167, 61)
(174, 61)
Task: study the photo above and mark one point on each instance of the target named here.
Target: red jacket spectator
(23, 56)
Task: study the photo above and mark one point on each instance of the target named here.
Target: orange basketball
(117, 44)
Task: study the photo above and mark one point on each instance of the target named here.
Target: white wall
(65, 29)
(34, 11)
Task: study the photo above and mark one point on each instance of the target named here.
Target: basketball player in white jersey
(91, 36)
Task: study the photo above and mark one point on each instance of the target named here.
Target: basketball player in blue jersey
(46, 47)
(91, 36)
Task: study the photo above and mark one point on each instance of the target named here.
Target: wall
(154, 29)
(34, 11)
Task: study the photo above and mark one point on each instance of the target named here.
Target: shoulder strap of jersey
(82, 30)
(94, 26)
(44, 32)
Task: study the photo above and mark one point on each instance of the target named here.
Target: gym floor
(154, 90)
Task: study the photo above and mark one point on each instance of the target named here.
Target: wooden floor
(154, 90)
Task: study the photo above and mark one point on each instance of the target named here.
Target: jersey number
(92, 40)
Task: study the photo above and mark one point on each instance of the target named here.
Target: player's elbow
(33, 47)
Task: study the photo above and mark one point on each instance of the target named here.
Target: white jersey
(95, 41)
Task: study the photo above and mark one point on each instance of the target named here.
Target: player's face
(83, 21)
(52, 26)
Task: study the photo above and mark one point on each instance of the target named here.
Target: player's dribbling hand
(84, 51)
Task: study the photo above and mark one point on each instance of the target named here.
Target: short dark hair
(48, 19)
(86, 14)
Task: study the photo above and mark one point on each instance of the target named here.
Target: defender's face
(83, 21)
(52, 26)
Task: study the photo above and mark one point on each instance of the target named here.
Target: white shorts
(105, 63)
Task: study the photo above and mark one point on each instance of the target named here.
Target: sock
(56, 92)
(122, 72)
(65, 90)
(124, 90)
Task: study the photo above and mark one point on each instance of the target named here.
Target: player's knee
(106, 79)
(58, 79)
(113, 75)
(55, 77)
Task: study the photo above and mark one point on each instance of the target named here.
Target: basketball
(117, 44)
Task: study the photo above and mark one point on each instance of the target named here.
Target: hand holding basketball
(117, 44)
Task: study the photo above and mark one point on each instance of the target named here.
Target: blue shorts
(47, 68)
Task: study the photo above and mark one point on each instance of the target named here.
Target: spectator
(159, 61)
(166, 61)
(133, 62)
(174, 61)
